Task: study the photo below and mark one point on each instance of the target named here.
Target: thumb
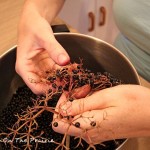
(55, 50)
(98, 100)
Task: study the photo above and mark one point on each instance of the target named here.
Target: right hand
(37, 49)
(118, 112)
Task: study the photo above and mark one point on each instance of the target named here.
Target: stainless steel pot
(97, 56)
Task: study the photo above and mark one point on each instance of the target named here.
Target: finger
(42, 63)
(70, 126)
(65, 127)
(34, 83)
(81, 125)
(33, 70)
(29, 53)
(62, 101)
(55, 50)
(98, 100)
(81, 92)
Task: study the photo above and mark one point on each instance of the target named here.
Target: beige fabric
(144, 82)
(138, 143)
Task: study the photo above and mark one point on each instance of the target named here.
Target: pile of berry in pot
(26, 122)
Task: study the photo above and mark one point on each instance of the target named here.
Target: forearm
(47, 9)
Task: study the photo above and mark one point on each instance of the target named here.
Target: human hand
(113, 113)
(37, 48)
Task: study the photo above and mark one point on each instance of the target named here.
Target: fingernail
(63, 59)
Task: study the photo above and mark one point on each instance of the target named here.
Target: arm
(37, 47)
(48, 9)
(119, 112)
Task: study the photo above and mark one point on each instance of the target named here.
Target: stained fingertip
(82, 92)
(63, 59)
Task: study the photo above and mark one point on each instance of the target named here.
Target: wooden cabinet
(105, 27)
(91, 17)
(76, 14)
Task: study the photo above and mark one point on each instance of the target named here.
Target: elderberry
(54, 78)
(60, 88)
(66, 87)
(49, 91)
(75, 77)
(68, 117)
(55, 124)
(75, 71)
(65, 72)
(67, 77)
(93, 123)
(77, 125)
(78, 67)
(50, 79)
(87, 71)
(89, 75)
(71, 99)
(54, 85)
(58, 74)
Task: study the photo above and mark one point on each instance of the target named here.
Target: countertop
(10, 11)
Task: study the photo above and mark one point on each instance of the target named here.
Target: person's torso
(133, 20)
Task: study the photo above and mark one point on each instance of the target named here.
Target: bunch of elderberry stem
(28, 124)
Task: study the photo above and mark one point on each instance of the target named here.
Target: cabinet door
(106, 28)
(80, 14)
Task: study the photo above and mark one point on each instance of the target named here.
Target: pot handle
(60, 28)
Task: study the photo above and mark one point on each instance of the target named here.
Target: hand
(113, 113)
(37, 48)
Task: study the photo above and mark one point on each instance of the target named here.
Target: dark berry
(50, 79)
(77, 124)
(71, 99)
(91, 82)
(93, 123)
(68, 117)
(66, 87)
(54, 78)
(87, 71)
(54, 85)
(47, 72)
(89, 75)
(58, 74)
(75, 77)
(50, 90)
(75, 71)
(67, 77)
(55, 124)
(78, 67)
(60, 88)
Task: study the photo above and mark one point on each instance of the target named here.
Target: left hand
(37, 49)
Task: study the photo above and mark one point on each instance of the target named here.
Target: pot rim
(90, 37)
(7, 51)
(104, 42)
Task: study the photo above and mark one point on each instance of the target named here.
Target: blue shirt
(133, 20)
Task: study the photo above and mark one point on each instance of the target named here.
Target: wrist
(47, 9)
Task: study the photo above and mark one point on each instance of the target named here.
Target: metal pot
(97, 56)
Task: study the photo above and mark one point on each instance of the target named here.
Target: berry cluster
(31, 125)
